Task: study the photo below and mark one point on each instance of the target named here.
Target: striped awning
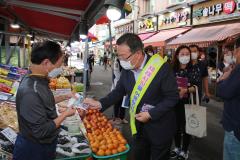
(205, 36)
(160, 39)
(144, 36)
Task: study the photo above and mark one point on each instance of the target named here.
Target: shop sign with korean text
(215, 11)
(126, 28)
(174, 19)
(147, 25)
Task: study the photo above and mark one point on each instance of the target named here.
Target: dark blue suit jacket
(162, 93)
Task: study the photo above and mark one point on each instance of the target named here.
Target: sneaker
(174, 153)
(124, 121)
(182, 156)
(116, 121)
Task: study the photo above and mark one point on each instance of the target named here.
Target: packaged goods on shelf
(77, 87)
(63, 82)
(72, 145)
(8, 115)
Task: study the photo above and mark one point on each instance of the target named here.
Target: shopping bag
(196, 118)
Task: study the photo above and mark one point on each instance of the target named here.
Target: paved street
(209, 148)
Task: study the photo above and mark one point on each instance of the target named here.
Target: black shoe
(182, 156)
(174, 153)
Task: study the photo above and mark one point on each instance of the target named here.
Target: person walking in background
(66, 57)
(199, 72)
(181, 66)
(81, 55)
(228, 88)
(105, 60)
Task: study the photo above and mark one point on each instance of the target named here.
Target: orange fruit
(100, 152)
(100, 137)
(120, 149)
(123, 141)
(124, 148)
(110, 146)
(103, 147)
(115, 145)
(103, 142)
(119, 136)
(115, 142)
(108, 152)
(114, 151)
(109, 141)
(94, 150)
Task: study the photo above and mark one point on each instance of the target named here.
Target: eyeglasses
(121, 58)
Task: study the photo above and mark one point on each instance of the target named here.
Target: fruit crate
(5, 155)
(83, 157)
(118, 156)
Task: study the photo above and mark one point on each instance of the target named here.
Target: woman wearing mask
(149, 50)
(227, 60)
(35, 104)
(181, 63)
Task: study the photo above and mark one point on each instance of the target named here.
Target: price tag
(3, 97)
(10, 134)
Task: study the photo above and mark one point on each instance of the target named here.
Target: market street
(209, 148)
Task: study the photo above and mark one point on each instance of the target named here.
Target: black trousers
(144, 150)
(119, 111)
(182, 139)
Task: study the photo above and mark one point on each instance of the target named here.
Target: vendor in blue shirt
(228, 88)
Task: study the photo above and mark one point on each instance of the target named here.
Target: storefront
(147, 27)
(175, 19)
(170, 25)
(215, 25)
(125, 28)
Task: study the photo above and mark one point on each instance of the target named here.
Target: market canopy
(205, 36)
(144, 36)
(161, 37)
(55, 17)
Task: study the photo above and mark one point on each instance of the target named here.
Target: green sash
(144, 80)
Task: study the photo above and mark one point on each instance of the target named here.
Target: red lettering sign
(229, 7)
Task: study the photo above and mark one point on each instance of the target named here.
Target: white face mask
(126, 65)
(184, 59)
(228, 59)
(234, 59)
(150, 53)
(55, 72)
(194, 55)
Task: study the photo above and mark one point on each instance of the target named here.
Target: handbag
(196, 117)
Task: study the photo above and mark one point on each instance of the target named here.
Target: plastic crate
(119, 156)
(83, 157)
(5, 155)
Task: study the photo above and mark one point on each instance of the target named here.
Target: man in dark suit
(155, 118)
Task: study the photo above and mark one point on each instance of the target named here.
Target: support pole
(85, 74)
(110, 39)
(24, 52)
(217, 61)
